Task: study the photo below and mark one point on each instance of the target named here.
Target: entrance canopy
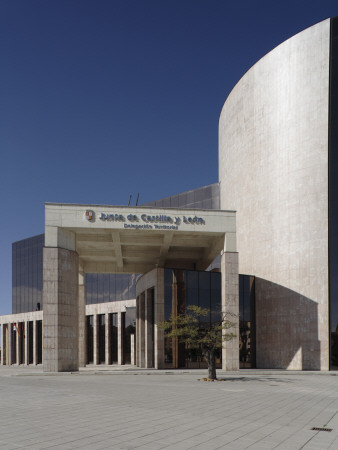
(120, 239)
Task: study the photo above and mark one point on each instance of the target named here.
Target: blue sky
(101, 99)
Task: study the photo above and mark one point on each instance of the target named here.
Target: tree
(208, 336)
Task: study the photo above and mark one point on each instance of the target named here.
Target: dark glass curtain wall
(183, 288)
(247, 322)
(27, 274)
(333, 193)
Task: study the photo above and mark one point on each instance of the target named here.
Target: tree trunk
(211, 360)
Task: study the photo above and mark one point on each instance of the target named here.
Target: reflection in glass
(333, 196)
(90, 339)
(247, 321)
(39, 340)
(101, 336)
(191, 288)
(27, 274)
(114, 338)
(103, 288)
(128, 327)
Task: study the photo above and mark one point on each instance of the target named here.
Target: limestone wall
(273, 166)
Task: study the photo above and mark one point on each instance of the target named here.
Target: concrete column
(3, 345)
(26, 338)
(142, 330)
(137, 331)
(35, 344)
(60, 310)
(132, 349)
(95, 340)
(159, 317)
(119, 339)
(107, 339)
(149, 344)
(82, 321)
(230, 306)
(18, 347)
(10, 344)
(41, 342)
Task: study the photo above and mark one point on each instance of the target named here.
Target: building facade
(278, 147)
(92, 260)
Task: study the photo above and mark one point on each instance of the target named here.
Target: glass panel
(100, 288)
(168, 280)
(191, 288)
(118, 287)
(112, 287)
(190, 197)
(114, 338)
(247, 346)
(207, 204)
(204, 293)
(13, 344)
(101, 336)
(27, 274)
(174, 203)
(88, 284)
(129, 333)
(125, 287)
(106, 287)
(30, 343)
(132, 285)
(90, 339)
(94, 288)
(39, 338)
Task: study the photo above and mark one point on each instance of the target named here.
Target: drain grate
(321, 429)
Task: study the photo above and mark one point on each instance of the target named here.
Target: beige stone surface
(110, 307)
(21, 317)
(230, 308)
(82, 336)
(135, 240)
(60, 303)
(273, 170)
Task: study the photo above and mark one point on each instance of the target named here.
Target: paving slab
(128, 408)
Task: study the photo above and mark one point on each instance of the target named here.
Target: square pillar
(159, 317)
(60, 310)
(95, 340)
(26, 340)
(119, 339)
(82, 321)
(230, 306)
(10, 341)
(107, 345)
(132, 349)
(141, 327)
(3, 345)
(35, 344)
(137, 349)
(148, 333)
(18, 346)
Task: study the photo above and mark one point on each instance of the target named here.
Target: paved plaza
(135, 409)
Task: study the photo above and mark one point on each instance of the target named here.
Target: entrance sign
(176, 221)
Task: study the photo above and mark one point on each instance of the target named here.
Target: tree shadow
(262, 379)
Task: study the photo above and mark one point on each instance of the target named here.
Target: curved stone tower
(277, 148)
